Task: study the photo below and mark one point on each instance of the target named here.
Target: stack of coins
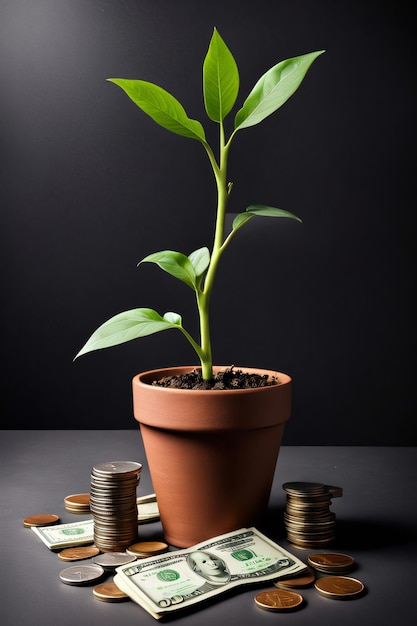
(113, 504)
(308, 520)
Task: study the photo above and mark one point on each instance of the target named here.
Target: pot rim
(207, 409)
(146, 377)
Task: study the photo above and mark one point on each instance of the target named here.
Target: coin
(111, 560)
(78, 499)
(76, 554)
(77, 503)
(109, 592)
(309, 544)
(113, 468)
(331, 562)
(40, 520)
(113, 504)
(147, 548)
(278, 600)
(303, 487)
(81, 574)
(305, 579)
(339, 587)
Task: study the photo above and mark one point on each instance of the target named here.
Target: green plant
(198, 270)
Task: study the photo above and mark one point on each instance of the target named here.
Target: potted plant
(188, 414)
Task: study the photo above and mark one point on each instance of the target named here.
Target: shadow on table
(372, 534)
(350, 533)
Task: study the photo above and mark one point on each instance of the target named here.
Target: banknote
(66, 535)
(181, 578)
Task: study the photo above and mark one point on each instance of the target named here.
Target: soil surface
(229, 378)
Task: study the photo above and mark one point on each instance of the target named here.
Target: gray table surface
(375, 523)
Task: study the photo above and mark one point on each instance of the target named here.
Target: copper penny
(76, 554)
(147, 548)
(331, 561)
(306, 579)
(109, 592)
(278, 600)
(339, 587)
(80, 499)
(40, 520)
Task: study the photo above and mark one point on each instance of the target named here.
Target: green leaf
(240, 219)
(125, 327)
(261, 210)
(200, 260)
(161, 106)
(175, 263)
(220, 79)
(173, 318)
(273, 89)
(270, 211)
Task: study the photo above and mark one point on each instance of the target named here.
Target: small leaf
(200, 260)
(261, 210)
(270, 211)
(161, 106)
(220, 79)
(240, 219)
(273, 89)
(173, 318)
(125, 327)
(175, 263)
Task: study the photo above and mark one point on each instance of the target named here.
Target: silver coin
(111, 560)
(112, 468)
(110, 487)
(81, 574)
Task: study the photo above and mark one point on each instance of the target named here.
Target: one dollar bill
(179, 579)
(66, 535)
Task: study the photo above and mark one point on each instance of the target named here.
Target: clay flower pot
(211, 454)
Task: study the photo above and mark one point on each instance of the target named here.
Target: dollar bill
(179, 579)
(66, 535)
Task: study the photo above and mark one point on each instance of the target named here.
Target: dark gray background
(90, 185)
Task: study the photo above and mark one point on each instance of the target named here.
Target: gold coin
(303, 487)
(278, 600)
(78, 553)
(339, 587)
(331, 561)
(147, 548)
(109, 592)
(40, 520)
(305, 579)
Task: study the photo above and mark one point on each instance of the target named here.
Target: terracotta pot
(211, 454)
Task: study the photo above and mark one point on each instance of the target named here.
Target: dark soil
(226, 379)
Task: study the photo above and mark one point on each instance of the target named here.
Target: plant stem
(203, 297)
